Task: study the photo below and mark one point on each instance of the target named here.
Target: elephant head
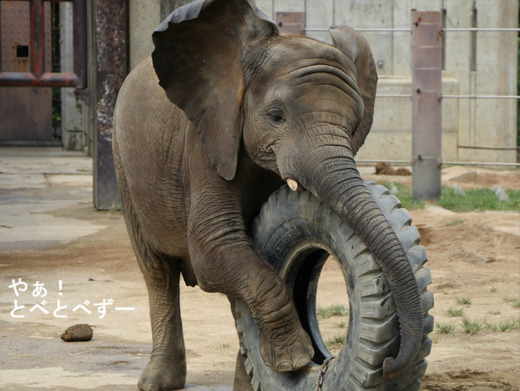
(297, 107)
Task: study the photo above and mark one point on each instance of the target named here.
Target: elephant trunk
(337, 182)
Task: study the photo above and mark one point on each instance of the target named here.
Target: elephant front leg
(225, 261)
(167, 367)
(284, 345)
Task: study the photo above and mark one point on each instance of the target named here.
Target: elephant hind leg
(167, 367)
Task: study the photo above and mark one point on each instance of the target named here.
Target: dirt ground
(474, 259)
(474, 256)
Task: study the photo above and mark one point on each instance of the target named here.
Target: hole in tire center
(332, 306)
(321, 298)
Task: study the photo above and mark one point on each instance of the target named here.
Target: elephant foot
(163, 374)
(286, 348)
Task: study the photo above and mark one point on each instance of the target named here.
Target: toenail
(302, 362)
(284, 367)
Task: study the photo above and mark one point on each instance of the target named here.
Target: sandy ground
(49, 232)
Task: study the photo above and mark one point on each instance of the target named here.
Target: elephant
(224, 112)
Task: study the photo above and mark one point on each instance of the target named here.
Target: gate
(26, 61)
(34, 51)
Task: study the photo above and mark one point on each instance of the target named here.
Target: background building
(476, 63)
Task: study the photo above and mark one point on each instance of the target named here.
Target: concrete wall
(483, 63)
(145, 16)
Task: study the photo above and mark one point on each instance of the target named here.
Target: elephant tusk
(293, 185)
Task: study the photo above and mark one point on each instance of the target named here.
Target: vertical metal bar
(37, 38)
(474, 24)
(305, 18)
(426, 104)
(334, 13)
(80, 42)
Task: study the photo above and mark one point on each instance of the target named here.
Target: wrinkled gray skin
(250, 110)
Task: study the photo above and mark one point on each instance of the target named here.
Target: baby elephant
(223, 114)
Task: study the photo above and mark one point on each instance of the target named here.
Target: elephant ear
(358, 49)
(197, 60)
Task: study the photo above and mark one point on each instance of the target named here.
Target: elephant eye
(276, 115)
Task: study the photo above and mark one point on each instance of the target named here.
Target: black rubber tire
(295, 232)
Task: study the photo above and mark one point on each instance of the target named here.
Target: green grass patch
(341, 325)
(504, 326)
(335, 341)
(453, 312)
(514, 301)
(446, 328)
(332, 310)
(472, 326)
(455, 222)
(477, 199)
(405, 196)
(463, 301)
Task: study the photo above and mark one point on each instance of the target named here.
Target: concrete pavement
(53, 241)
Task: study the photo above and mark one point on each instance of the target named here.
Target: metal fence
(337, 8)
(447, 96)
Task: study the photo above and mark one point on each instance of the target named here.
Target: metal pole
(334, 12)
(426, 104)
(80, 42)
(37, 38)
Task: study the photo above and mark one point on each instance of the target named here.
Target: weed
(405, 196)
(341, 325)
(455, 222)
(471, 326)
(475, 199)
(478, 199)
(335, 341)
(446, 328)
(224, 346)
(332, 310)
(115, 208)
(455, 312)
(514, 301)
(463, 301)
(503, 326)
(493, 289)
